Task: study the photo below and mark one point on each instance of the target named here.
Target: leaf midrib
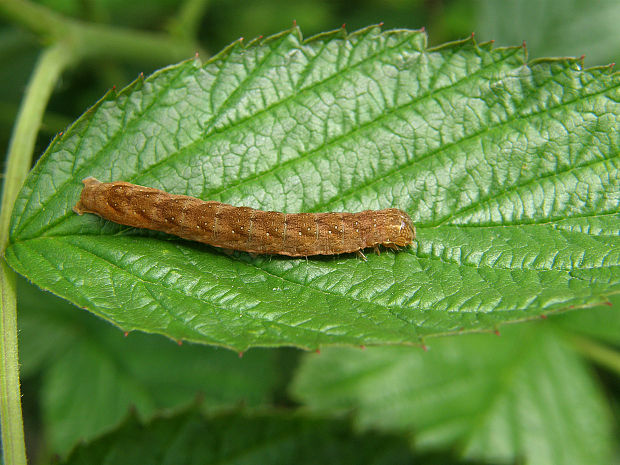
(517, 187)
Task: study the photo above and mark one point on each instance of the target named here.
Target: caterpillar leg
(361, 255)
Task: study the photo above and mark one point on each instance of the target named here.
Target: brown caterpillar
(244, 228)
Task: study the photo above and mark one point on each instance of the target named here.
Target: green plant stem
(187, 20)
(43, 22)
(598, 353)
(97, 40)
(50, 65)
(13, 446)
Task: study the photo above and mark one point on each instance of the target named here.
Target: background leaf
(558, 27)
(509, 170)
(241, 439)
(602, 323)
(86, 375)
(522, 395)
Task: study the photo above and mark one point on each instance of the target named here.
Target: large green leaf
(241, 439)
(524, 397)
(508, 169)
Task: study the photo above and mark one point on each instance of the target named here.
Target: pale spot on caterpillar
(240, 228)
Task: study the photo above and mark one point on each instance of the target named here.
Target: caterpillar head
(401, 229)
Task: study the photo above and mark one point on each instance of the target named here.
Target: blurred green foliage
(549, 27)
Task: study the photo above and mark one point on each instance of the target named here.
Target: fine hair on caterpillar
(243, 228)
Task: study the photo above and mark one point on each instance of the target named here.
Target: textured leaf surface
(522, 396)
(88, 375)
(508, 169)
(239, 439)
